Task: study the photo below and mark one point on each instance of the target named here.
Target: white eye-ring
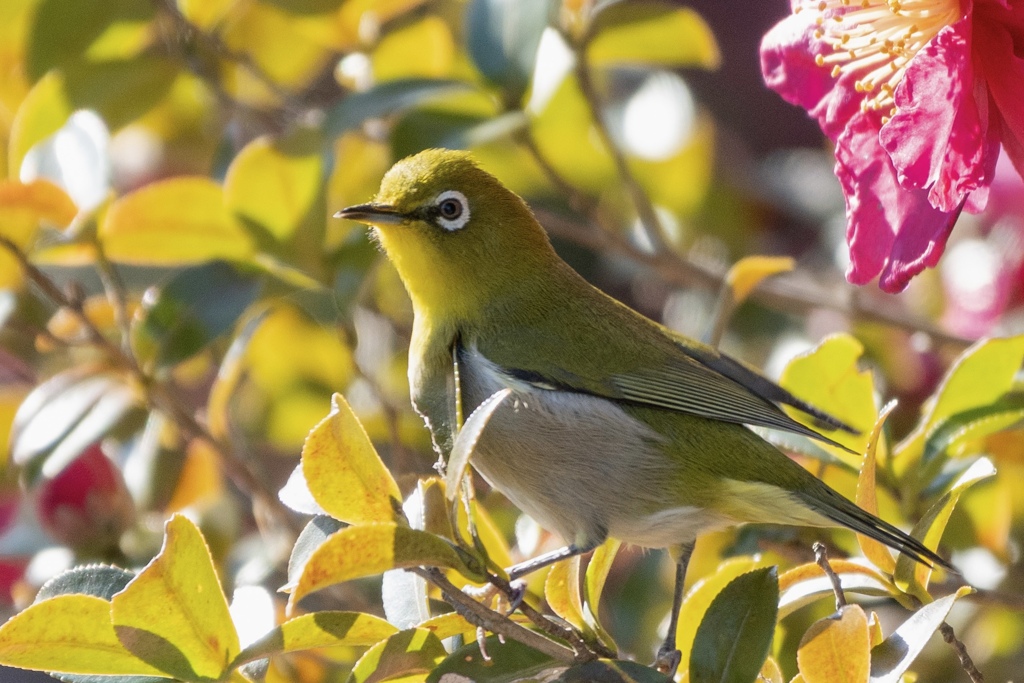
(452, 210)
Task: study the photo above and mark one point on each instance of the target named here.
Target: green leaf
(867, 498)
(371, 549)
(973, 424)
(593, 585)
(912, 576)
(700, 596)
(319, 629)
(387, 99)
(652, 33)
(467, 438)
(891, 658)
(195, 307)
(508, 661)
(173, 222)
(836, 649)
(733, 637)
(415, 651)
(65, 30)
(99, 580)
(503, 39)
(174, 615)
(344, 472)
(611, 671)
(274, 185)
(71, 634)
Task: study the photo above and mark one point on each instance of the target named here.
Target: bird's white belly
(579, 464)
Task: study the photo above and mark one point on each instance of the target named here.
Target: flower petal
(1003, 71)
(936, 139)
(891, 230)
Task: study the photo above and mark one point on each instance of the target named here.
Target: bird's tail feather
(842, 511)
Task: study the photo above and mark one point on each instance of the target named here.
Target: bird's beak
(373, 214)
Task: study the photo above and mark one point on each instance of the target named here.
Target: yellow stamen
(878, 39)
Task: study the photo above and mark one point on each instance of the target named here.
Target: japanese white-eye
(617, 425)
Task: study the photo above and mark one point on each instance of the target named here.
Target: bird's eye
(452, 210)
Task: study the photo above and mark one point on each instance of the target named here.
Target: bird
(616, 425)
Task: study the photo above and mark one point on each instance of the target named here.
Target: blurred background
(200, 148)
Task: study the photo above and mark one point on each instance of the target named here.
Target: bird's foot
(516, 595)
(667, 661)
(487, 594)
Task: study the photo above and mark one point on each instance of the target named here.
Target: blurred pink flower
(918, 97)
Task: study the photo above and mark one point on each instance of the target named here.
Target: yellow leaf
(770, 672)
(562, 590)
(23, 207)
(828, 378)
(275, 184)
(836, 649)
(200, 479)
(43, 111)
(205, 14)
(174, 614)
(700, 596)
(867, 498)
(448, 625)
(423, 49)
(807, 583)
(912, 576)
(68, 634)
(370, 549)
(174, 222)
(875, 628)
(319, 629)
(593, 585)
(647, 33)
(747, 273)
(345, 474)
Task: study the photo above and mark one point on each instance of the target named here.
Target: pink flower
(918, 96)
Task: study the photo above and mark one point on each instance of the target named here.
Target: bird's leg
(517, 571)
(668, 654)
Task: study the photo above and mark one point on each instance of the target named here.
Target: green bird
(616, 426)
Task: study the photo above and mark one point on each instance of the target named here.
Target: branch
(486, 618)
(821, 557)
(961, 652)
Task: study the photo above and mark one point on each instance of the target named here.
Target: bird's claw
(517, 592)
(667, 661)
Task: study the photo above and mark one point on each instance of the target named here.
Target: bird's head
(456, 235)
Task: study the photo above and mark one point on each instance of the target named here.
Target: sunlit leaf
(652, 32)
(743, 613)
(173, 222)
(344, 473)
(807, 583)
(201, 478)
(23, 208)
(562, 591)
(913, 576)
(313, 535)
(828, 378)
(204, 14)
(185, 316)
(593, 585)
(448, 625)
(274, 185)
(747, 273)
(503, 36)
(319, 629)
(610, 671)
(979, 377)
(467, 438)
(770, 672)
(891, 658)
(404, 595)
(68, 633)
(507, 661)
(701, 594)
(415, 651)
(836, 649)
(973, 424)
(422, 49)
(867, 496)
(370, 549)
(174, 614)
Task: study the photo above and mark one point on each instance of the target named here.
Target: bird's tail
(843, 512)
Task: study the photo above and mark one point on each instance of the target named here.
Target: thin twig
(966, 662)
(821, 557)
(114, 288)
(486, 618)
(786, 292)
